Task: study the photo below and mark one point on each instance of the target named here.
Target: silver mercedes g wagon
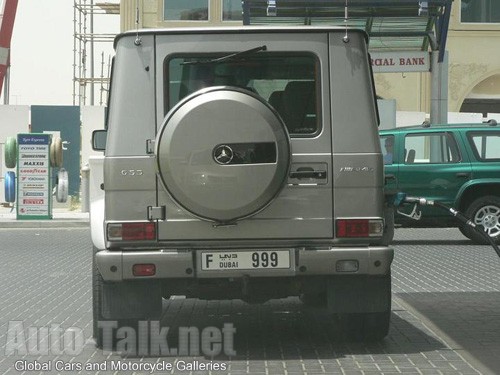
(242, 163)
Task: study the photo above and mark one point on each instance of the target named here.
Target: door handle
(389, 177)
(320, 175)
(463, 174)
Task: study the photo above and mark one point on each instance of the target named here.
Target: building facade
(472, 45)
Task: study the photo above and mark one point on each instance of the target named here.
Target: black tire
(369, 318)
(463, 230)
(485, 213)
(364, 326)
(97, 283)
(389, 226)
(146, 310)
(376, 325)
(97, 286)
(314, 299)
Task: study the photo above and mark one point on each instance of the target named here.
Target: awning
(408, 25)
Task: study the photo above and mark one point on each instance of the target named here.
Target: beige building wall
(474, 57)
(474, 69)
(151, 15)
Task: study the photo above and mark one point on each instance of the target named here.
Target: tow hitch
(402, 198)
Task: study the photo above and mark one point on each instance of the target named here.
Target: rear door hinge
(150, 146)
(156, 213)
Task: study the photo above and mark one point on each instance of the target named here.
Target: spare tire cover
(223, 153)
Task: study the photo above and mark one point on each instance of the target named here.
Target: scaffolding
(86, 81)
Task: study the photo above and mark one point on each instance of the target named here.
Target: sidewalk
(62, 217)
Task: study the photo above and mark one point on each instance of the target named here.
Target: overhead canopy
(392, 25)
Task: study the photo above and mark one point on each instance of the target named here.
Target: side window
(289, 82)
(431, 148)
(486, 145)
(387, 146)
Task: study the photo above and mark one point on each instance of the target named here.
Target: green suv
(457, 165)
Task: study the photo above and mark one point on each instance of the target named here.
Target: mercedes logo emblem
(223, 154)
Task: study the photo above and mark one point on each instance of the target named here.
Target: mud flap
(132, 300)
(359, 294)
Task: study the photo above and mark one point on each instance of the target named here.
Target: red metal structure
(6, 27)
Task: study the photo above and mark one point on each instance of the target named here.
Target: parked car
(455, 164)
(234, 168)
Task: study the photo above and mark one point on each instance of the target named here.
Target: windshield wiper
(227, 57)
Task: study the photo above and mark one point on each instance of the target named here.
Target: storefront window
(185, 10)
(232, 10)
(480, 11)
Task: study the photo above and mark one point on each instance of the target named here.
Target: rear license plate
(245, 260)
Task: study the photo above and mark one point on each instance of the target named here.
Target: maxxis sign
(33, 177)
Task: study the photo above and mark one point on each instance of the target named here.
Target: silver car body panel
(304, 212)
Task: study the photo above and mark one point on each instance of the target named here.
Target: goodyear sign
(33, 181)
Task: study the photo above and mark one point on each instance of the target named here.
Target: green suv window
(435, 148)
(486, 145)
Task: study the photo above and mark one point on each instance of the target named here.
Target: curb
(54, 223)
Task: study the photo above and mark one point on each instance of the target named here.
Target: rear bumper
(185, 264)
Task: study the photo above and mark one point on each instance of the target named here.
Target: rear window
(486, 145)
(287, 81)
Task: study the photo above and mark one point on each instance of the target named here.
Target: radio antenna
(346, 17)
(138, 40)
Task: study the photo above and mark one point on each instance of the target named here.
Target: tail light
(144, 270)
(132, 232)
(355, 228)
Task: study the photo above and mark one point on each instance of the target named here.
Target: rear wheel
(97, 283)
(120, 317)
(314, 299)
(484, 212)
(361, 307)
(365, 326)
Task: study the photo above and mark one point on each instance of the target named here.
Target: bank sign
(33, 176)
(399, 62)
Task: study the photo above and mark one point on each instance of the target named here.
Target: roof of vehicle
(414, 128)
(239, 29)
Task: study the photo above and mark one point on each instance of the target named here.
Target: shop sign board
(33, 177)
(400, 62)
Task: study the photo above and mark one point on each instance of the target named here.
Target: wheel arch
(476, 190)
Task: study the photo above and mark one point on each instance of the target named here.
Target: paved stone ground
(444, 320)
(455, 285)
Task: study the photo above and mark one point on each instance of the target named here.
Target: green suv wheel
(485, 213)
